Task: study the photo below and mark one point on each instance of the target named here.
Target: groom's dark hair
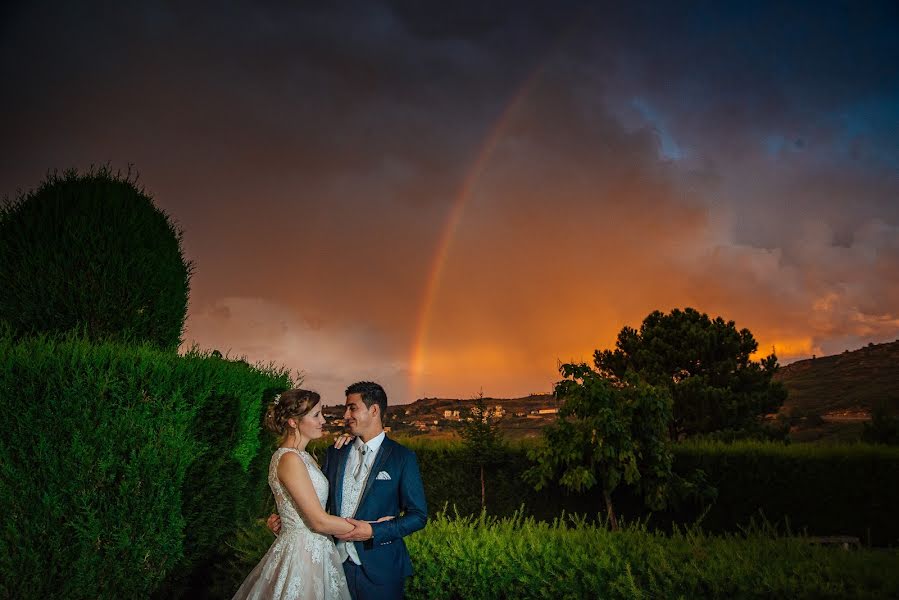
(371, 393)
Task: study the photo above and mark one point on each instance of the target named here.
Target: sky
(452, 197)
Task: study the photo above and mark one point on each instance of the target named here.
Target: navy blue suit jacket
(384, 557)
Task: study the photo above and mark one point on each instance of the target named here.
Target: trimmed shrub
(846, 489)
(92, 253)
(123, 469)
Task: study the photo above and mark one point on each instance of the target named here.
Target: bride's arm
(295, 477)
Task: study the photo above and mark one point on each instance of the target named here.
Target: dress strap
(280, 452)
(304, 456)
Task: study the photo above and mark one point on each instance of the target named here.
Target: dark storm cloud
(739, 158)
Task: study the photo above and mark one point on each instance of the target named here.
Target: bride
(303, 561)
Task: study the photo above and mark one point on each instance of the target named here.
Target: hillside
(829, 399)
(851, 382)
(832, 397)
(439, 417)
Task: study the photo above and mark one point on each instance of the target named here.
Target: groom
(373, 477)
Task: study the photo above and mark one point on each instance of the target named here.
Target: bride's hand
(351, 522)
(343, 439)
(274, 524)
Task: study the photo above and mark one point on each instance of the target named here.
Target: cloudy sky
(450, 197)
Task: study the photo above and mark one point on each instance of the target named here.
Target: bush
(123, 470)
(775, 431)
(519, 557)
(91, 253)
(246, 548)
(883, 427)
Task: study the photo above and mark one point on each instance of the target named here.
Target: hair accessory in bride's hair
(277, 399)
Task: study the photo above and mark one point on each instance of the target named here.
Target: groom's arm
(330, 455)
(412, 503)
(325, 460)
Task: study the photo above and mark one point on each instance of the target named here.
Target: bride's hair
(292, 404)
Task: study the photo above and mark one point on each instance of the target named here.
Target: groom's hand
(274, 523)
(361, 532)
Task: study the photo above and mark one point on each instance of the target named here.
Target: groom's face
(357, 416)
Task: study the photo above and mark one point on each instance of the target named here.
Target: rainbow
(454, 218)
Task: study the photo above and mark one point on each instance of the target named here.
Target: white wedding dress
(300, 564)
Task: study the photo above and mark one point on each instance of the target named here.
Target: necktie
(360, 471)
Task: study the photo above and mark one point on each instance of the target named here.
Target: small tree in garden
(92, 253)
(482, 439)
(607, 434)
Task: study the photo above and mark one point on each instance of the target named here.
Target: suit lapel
(380, 460)
(342, 456)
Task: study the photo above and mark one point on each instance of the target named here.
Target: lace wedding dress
(300, 564)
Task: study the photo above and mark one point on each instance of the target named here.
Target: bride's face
(312, 424)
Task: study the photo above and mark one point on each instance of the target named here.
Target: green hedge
(123, 470)
(821, 489)
(847, 489)
(522, 558)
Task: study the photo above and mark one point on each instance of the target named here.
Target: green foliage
(883, 428)
(818, 489)
(122, 468)
(570, 557)
(705, 363)
(776, 430)
(245, 549)
(832, 489)
(92, 253)
(606, 434)
(482, 440)
(826, 489)
(480, 432)
(517, 557)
